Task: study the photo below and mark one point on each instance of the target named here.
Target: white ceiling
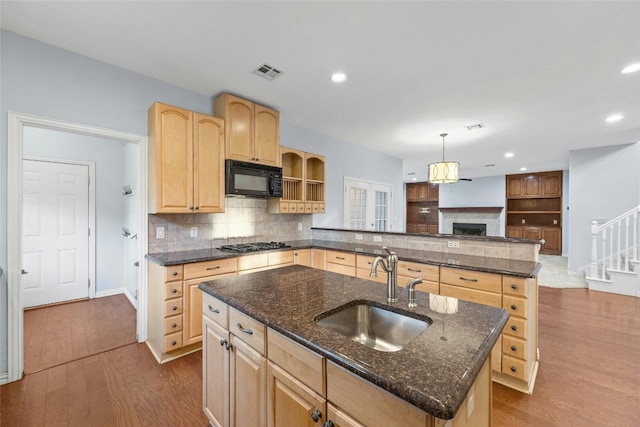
(541, 76)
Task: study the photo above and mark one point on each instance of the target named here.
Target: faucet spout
(391, 268)
(411, 289)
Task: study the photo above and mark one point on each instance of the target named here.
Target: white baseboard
(131, 298)
(110, 292)
(4, 378)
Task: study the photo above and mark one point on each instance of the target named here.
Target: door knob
(24, 271)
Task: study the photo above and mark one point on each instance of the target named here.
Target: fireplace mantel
(483, 209)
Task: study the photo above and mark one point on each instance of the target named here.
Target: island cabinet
(175, 305)
(264, 261)
(186, 161)
(341, 262)
(302, 257)
(234, 366)
(252, 131)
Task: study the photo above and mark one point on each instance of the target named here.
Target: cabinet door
(532, 186)
(514, 187)
(239, 131)
(291, 403)
(514, 231)
(339, 418)
(319, 259)
(534, 233)
(215, 371)
(208, 162)
(412, 192)
(552, 240)
(170, 159)
(432, 228)
(302, 257)
(267, 135)
(412, 228)
(423, 192)
(248, 374)
(552, 185)
(434, 192)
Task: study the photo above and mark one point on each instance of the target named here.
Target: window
(367, 205)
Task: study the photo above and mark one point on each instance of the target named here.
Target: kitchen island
(440, 371)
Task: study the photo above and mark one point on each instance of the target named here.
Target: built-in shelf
(482, 209)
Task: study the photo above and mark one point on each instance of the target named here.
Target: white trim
(110, 292)
(4, 378)
(16, 123)
(131, 298)
(92, 213)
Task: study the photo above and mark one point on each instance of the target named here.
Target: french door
(367, 205)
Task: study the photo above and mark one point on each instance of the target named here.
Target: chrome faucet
(411, 289)
(391, 267)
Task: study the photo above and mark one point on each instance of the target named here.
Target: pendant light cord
(443, 136)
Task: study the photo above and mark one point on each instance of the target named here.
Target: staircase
(614, 255)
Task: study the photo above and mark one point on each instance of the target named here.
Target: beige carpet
(554, 273)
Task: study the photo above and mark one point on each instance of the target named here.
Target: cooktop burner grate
(253, 247)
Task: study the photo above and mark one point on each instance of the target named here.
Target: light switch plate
(453, 244)
(194, 231)
(358, 236)
(159, 232)
(377, 238)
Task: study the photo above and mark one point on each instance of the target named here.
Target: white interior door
(367, 205)
(55, 232)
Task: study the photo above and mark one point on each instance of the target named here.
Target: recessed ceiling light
(414, 179)
(508, 154)
(523, 169)
(338, 77)
(614, 118)
(630, 68)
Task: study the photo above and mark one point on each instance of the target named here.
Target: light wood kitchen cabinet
(186, 161)
(264, 261)
(175, 305)
(252, 132)
(302, 257)
(215, 374)
(363, 269)
(303, 177)
(341, 262)
(319, 259)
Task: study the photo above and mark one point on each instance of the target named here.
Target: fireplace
(469, 229)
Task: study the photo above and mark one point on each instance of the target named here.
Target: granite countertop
(433, 372)
(468, 262)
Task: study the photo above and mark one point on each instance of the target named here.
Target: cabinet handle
(197, 207)
(514, 369)
(414, 270)
(514, 328)
(190, 208)
(175, 273)
(213, 268)
(223, 342)
(468, 280)
(340, 257)
(514, 348)
(514, 307)
(329, 423)
(214, 310)
(514, 286)
(246, 331)
(174, 291)
(316, 415)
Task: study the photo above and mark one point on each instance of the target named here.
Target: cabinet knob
(329, 423)
(175, 273)
(174, 342)
(514, 328)
(514, 307)
(174, 291)
(514, 286)
(514, 348)
(514, 369)
(316, 415)
(175, 308)
(190, 208)
(197, 207)
(174, 325)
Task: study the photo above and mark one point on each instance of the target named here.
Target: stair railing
(622, 235)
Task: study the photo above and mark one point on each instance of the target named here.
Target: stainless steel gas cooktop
(253, 247)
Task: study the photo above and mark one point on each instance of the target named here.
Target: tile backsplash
(244, 220)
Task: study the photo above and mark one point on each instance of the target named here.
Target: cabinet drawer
(516, 327)
(281, 257)
(347, 270)
(173, 290)
(172, 342)
(215, 310)
(364, 261)
(304, 364)
(425, 286)
(414, 269)
(249, 262)
(514, 347)
(172, 324)
(247, 329)
(514, 286)
(515, 306)
(481, 297)
(471, 279)
(210, 268)
(173, 272)
(342, 258)
(173, 307)
(515, 367)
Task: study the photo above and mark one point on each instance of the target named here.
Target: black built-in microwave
(252, 179)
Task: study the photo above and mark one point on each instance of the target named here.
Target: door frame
(92, 214)
(372, 186)
(16, 124)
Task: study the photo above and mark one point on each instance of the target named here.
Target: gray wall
(604, 184)
(39, 79)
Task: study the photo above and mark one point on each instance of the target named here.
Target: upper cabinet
(422, 192)
(542, 184)
(186, 161)
(252, 131)
(302, 183)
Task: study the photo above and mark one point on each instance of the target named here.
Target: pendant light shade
(444, 172)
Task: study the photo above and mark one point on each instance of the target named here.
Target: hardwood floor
(62, 333)
(589, 376)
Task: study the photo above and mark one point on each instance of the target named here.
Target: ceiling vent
(476, 126)
(268, 72)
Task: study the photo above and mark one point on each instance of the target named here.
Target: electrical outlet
(555, 222)
(358, 236)
(194, 231)
(159, 232)
(471, 400)
(453, 244)
(523, 221)
(299, 226)
(377, 238)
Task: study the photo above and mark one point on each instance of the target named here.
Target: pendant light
(444, 172)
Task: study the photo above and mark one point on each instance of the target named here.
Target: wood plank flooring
(589, 376)
(62, 333)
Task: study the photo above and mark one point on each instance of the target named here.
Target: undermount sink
(375, 327)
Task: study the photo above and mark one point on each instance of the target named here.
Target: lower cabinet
(290, 402)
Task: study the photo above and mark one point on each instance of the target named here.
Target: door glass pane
(381, 210)
(358, 197)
